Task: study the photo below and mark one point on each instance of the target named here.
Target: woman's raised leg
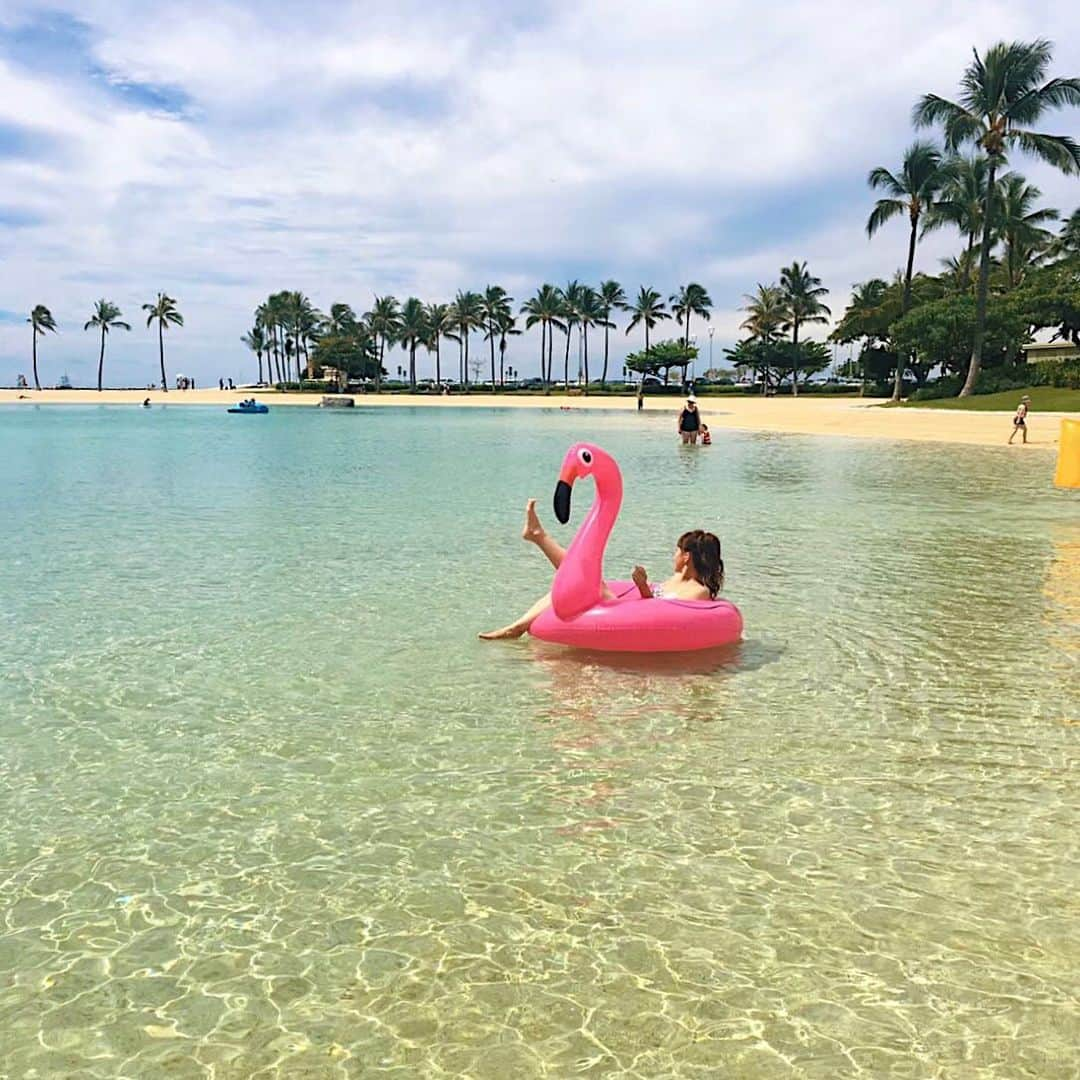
(535, 533)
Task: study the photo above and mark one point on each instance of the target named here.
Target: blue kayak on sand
(253, 407)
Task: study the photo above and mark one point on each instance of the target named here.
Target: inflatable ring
(580, 615)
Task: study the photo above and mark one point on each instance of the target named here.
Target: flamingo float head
(578, 583)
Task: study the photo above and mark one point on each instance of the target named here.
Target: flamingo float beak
(563, 489)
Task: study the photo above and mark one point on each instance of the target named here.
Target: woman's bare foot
(533, 530)
(514, 630)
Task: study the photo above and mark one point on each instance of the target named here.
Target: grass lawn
(1043, 398)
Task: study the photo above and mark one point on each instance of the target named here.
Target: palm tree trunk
(795, 358)
(101, 359)
(412, 366)
(543, 344)
(260, 367)
(33, 330)
(566, 362)
(465, 381)
(585, 335)
(502, 361)
(379, 352)
(161, 354)
(898, 384)
(603, 377)
(491, 337)
(550, 343)
(438, 362)
(965, 277)
(981, 290)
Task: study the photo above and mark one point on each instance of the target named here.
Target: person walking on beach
(1020, 419)
(689, 421)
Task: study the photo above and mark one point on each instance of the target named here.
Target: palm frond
(884, 210)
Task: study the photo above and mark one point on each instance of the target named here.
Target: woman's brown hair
(704, 551)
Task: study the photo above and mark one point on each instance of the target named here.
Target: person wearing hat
(689, 421)
(1020, 419)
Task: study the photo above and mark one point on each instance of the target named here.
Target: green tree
(647, 310)
(495, 309)
(1020, 226)
(1050, 299)
(106, 317)
(612, 298)
(913, 191)
(468, 316)
(590, 311)
(255, 340)
(413, 332)
(766, 313)
(384, 322)
(960, 203)
(1001, 95)
(352, 353)
(40, 321)
(164, 311)
(1068, 240)
(690, 300)
(544, 308)
(662, 357)
(440, 323)
(570, 310)
(802, 297)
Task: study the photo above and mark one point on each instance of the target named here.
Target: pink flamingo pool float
(580, 615)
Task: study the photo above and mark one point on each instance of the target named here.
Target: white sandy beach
(855, 417)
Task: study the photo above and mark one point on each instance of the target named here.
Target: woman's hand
(641, 580)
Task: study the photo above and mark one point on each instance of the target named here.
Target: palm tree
(1019, 225)
(960, 203)
(802, 297)
(571, 303)
(690, 300)
(164, 310)
(255, 340)
(1001, 95)
(40, 321)
(913, 191)
(341, 320)
(304, 319)
(413, 332)
(106, 317)
(766, 313)
(468, 316)
(612, 298)
(648, 309)
(384, 321)
(440, 323)
(1068, 240)
(495, 306)
(506, 326)
(590, 312)
(544, 308)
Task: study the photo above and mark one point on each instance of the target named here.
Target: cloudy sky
(221, 151)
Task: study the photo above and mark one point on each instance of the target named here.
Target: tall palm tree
(440, 323)
(506, 326)
(384, 321)
(647, 310)
(495, 306)
(1068, 240)
(163, 309)
(1020, 225)
(468, 316)
(960, 203)
(590, 312)
(766, 313)
(1001, 95)
(106, 317)
(412, 333)
(304, 319)
(612, 298)
(571, 303)
(341, 320)
(690, 300)
(255, 340)
(40, 321)
(544, 308)
(802, 296)
(913, 191)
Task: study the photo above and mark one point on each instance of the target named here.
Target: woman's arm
(641, 580)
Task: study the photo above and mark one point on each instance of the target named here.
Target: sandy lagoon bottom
(271, 810)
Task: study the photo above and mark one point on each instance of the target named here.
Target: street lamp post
(712, 330)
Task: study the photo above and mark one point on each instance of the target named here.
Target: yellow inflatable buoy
(1067, 474)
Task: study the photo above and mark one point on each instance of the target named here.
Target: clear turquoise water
(270, 809)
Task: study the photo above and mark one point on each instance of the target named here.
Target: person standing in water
(689, 420)
(1020, 419)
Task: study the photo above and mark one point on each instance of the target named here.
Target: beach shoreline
(850, 417)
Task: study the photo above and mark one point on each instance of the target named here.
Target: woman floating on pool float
(681, 614)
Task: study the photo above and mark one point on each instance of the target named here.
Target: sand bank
(856, 417)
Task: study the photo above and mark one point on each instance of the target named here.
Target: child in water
(698, 572)
(706, 438)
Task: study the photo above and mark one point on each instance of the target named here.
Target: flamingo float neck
(579, 583)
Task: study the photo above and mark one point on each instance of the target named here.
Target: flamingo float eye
(585, 457)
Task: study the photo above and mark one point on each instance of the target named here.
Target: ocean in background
(269, 805)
